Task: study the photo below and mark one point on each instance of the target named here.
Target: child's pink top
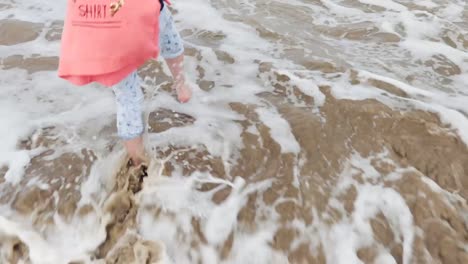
(100, 47)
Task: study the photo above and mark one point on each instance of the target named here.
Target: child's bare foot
(176, 66)
(136, 150)
(184, 92)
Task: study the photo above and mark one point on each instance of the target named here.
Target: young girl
(105, 41)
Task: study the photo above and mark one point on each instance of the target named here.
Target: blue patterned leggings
(128, 93)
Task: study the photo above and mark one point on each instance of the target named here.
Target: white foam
(450, 109)
(223, 218)
(280, 130)
(433, 48)
(238, 34)
(308, 87)
(13, 120)
(426, 3)
(453, 10)
(372, 199)
(388, 4)
(414, 91)
(79, 115)
(178, 195)
(255, 249)
(341, 10)
(342, 240)
(66, 242)
(451, 117)
(385, 258)
(209, 255)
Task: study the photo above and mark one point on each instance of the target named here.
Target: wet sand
(309, 193)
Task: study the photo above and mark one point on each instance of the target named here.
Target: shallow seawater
(321, 131)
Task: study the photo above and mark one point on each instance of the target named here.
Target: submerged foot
(136, 150)
(184, 92)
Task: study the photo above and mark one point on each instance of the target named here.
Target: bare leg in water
(136, 150)
(130, 102)
(130, 127)
(176, 66)
(134, 146)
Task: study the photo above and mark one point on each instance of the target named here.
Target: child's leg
(176, 65)
(172, 50)
(130, 127)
